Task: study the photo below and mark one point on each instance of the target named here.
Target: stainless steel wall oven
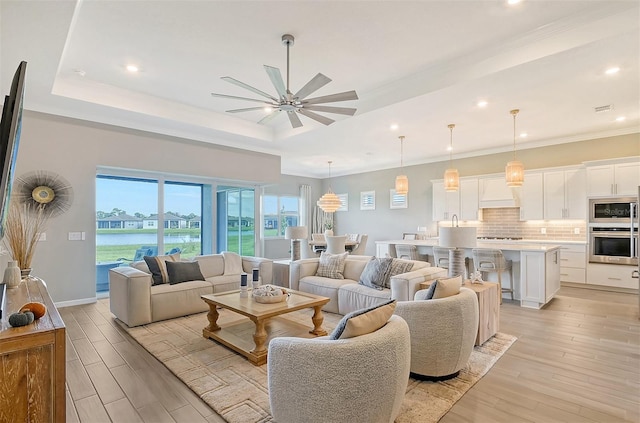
(613, 245)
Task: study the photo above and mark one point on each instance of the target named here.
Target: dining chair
(335, 244)
(318, 238)
(441, 257)
(362, 244)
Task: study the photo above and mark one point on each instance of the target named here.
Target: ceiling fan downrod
(288, 40)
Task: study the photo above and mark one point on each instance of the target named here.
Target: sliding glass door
(236, 220)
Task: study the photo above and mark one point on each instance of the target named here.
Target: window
(278, 213)
(397, 201)
(344, 202)
(368, 200)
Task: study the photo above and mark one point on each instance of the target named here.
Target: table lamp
(457, 237)
(295, 234)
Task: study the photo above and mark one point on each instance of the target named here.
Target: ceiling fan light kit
(290, 103)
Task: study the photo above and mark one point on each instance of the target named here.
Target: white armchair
(443, 332)
(361, 379)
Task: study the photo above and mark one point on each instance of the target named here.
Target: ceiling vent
(601, 109)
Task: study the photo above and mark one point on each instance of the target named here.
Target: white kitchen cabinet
(444, 204)
(613, 179)
(573, 263)
(536, 267)
(565, 194)
(531, 197)
(616, 275)
(468, 199)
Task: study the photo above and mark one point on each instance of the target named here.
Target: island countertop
(507, 246)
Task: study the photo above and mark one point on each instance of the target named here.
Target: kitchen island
(536, 267)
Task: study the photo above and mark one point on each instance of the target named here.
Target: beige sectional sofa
(135, 301)
(347, 295)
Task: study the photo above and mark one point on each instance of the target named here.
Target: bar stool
(441, 257)
(409, 252)
(491, 260)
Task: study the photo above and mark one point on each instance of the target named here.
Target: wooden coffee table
(264, 321)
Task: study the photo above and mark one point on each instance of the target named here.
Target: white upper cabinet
(531, 197)
(564, 194)
(444, 204)
(613, 179)
(469, 199)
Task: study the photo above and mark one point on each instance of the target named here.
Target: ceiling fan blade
(332, 98)
(276, 80)
(241, 98)
(294, 119)
(315, 84)
(244, 110)
(329, 109)
(248, 87)
(269, 117)
(315, 116)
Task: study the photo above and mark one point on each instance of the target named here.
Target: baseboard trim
(71, 303)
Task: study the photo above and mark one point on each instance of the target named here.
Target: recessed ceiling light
(620, 119)
(523, 135)
(132, 68)
(612, 71)
(449, 148)
(482, 103)
(513, 1)
(394, 127)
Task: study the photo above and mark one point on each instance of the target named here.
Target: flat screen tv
(10, 127)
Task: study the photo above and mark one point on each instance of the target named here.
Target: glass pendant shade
(402, 184)
(329, 202)
(514, 173)
(451, 180)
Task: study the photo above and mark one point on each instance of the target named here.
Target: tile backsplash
(505, 222)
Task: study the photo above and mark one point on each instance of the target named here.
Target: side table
(281, 272)
(488, 308)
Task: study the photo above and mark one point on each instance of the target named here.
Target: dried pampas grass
(22, 231)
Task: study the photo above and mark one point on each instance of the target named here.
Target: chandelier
(329, 202)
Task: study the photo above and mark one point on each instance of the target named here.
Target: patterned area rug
(237, 390)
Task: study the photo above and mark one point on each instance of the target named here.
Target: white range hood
(494, 193)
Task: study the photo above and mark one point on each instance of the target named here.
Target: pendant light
(329, 202)
(451, 176)
(402, 182)
(514, 171)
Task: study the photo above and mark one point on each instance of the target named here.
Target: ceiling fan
(290, 103)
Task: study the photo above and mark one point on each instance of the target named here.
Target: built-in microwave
(619, 210)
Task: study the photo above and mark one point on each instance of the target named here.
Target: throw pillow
(397, 267)
(158, 268)
(331, 265)
(447, 287)
(375, 272)
(426, 294)
(361, 322)
(232, 263)
(183, 271)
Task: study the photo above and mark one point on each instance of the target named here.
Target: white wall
(74, 149)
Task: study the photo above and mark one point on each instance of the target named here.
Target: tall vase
(12, 275)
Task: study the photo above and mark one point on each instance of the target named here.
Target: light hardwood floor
(577, 360)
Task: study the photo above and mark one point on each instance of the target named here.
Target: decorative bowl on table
(269, 294)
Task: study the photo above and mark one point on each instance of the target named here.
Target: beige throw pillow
(361, 322)
(232, 263)
(331, 265)
(448, 287)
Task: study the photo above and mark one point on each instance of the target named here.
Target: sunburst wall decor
(43, 189)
